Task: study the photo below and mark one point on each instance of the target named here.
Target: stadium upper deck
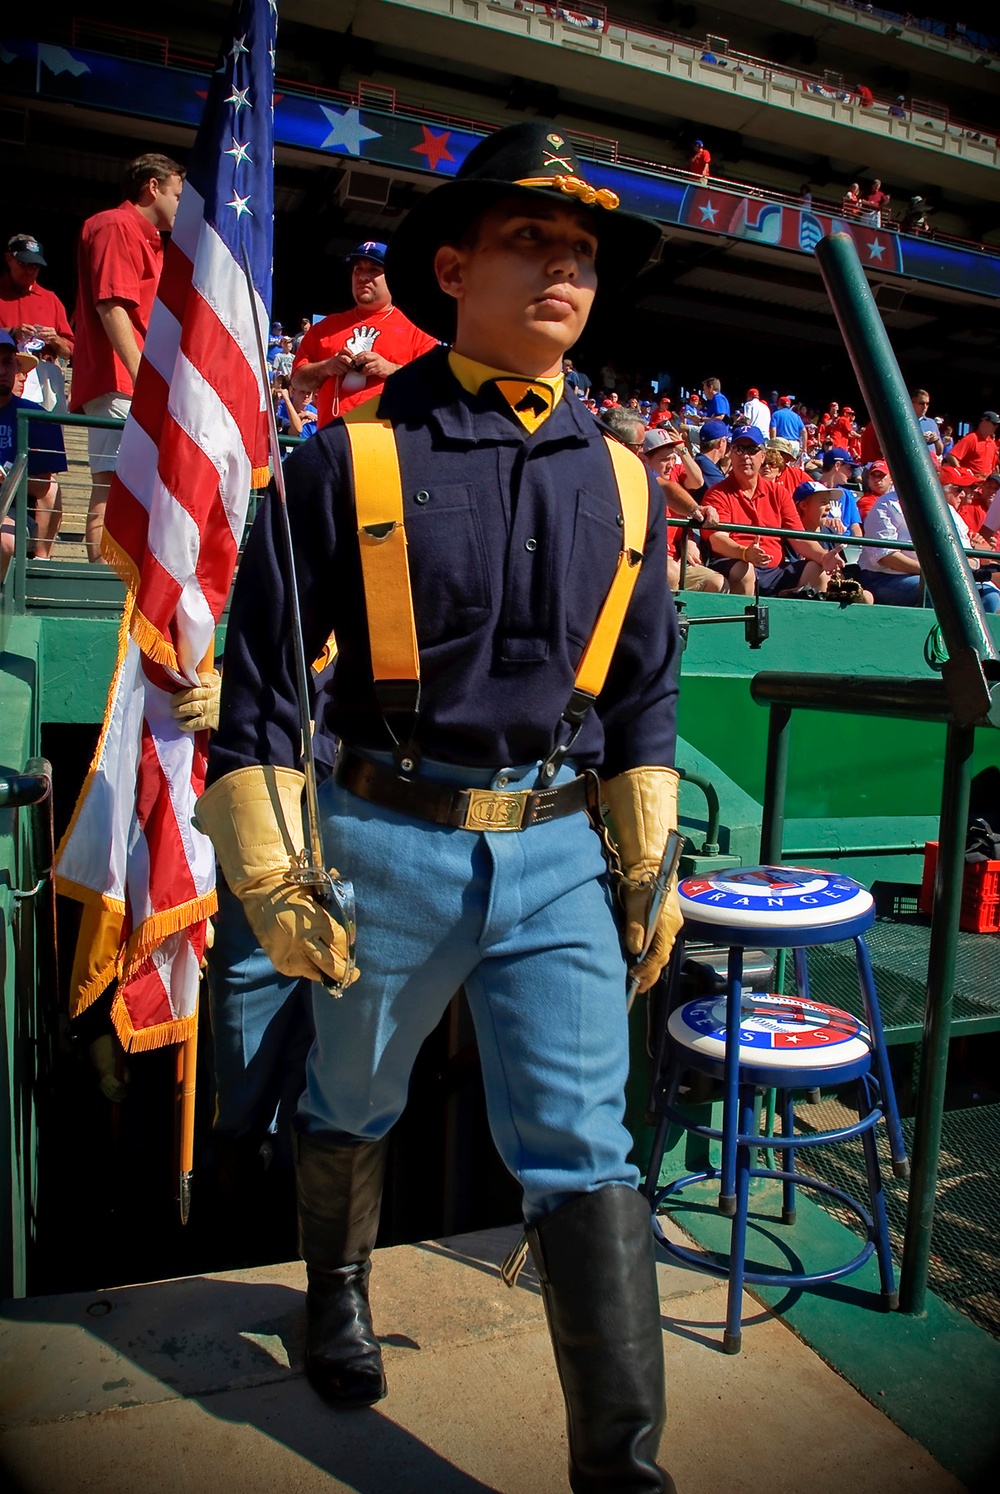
(378, 96)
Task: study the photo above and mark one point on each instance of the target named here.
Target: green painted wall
(841, 765)
(20, 860)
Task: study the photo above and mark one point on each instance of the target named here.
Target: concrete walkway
(194, 1387)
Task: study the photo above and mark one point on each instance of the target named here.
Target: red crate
(980, 892)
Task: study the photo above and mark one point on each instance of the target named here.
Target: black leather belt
(464, 808)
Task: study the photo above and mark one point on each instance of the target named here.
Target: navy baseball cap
(6, 341)
(26, 249)
(714, 430)
(370, 249)
(807, 489)
(747, 433)
(836, 454)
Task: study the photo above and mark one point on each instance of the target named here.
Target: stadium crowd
(726, 469)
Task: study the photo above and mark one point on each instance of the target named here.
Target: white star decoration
(875, 250)
(238, 46)
(240, 152)
(239, 205)
(346, 130)
(708, 213)
(239, 98)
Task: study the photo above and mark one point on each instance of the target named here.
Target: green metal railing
(17, 599)
(964, 698)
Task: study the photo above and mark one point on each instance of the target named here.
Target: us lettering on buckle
(491, 810)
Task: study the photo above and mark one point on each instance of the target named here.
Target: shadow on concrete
(232, 1346)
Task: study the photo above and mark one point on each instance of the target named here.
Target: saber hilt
(660, 887)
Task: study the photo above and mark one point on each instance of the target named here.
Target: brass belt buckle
(489, 809)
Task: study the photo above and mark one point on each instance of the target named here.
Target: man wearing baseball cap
(28, 311)
(462, 544)
(978, 450)
(894, 576)
(757, 563)
(346, 358)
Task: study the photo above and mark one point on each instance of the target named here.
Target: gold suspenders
(378, 498)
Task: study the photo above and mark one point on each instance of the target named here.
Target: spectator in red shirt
(119, 262)
(850, 205)
(661, 415)
(978, 450)
(700, 159)
(829, 419)
(347, 357)
(28, 311)
(843, 429)
(779, 467)
(865, 96)
(874, 204)
(754, 563)
(876, 481)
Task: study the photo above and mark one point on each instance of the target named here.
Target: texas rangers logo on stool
(783, 1026)
(789, 895)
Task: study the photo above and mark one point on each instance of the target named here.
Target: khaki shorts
(102, 445)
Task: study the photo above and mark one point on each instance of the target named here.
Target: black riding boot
(597, 1268)
(339, 1192)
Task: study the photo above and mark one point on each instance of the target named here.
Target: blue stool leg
(730, 1102)
(880, 1054)
(801, 966)
(788, 1129)
(732, 1337)
(883, 1249)
(651, 1184)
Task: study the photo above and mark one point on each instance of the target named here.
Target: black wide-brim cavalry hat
(534, 159)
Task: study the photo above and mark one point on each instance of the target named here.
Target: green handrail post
(946, 908)
(772, 820)
(19, 579)
(949, 580)
(711, 846)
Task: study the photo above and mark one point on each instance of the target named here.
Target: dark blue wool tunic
(513, 541)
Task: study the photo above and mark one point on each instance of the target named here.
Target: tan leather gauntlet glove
(253, 817)
(197, 709)
(642, 804)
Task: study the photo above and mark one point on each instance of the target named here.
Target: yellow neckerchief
(531, 400)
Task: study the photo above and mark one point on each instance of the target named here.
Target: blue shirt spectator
(788, 424)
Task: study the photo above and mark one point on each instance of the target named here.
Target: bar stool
(787, 1043)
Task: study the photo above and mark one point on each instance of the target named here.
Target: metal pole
(20, 578)
(959, 745)
(313, 873)
(772, 820)
(948, 577)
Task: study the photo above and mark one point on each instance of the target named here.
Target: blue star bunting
(347, 133)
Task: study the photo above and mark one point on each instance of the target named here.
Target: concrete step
(194, 1386)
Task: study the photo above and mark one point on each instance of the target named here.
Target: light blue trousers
(262, 1031)
(523, 920)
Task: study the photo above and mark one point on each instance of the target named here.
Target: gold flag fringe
(150, 640)
(153, 930)
(147, 1038)
(260, 477)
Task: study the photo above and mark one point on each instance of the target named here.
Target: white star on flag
(708, 213)
(875, 250)
(240, 152)
(346, 131)
(239, 204)
(239, 98)
(237, 46)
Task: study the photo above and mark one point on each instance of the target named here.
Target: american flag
(193, 446)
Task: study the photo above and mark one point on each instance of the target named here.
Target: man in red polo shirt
(119, 261)
(754, 563)
(347, 357)
(28, 311)
(978, 450)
